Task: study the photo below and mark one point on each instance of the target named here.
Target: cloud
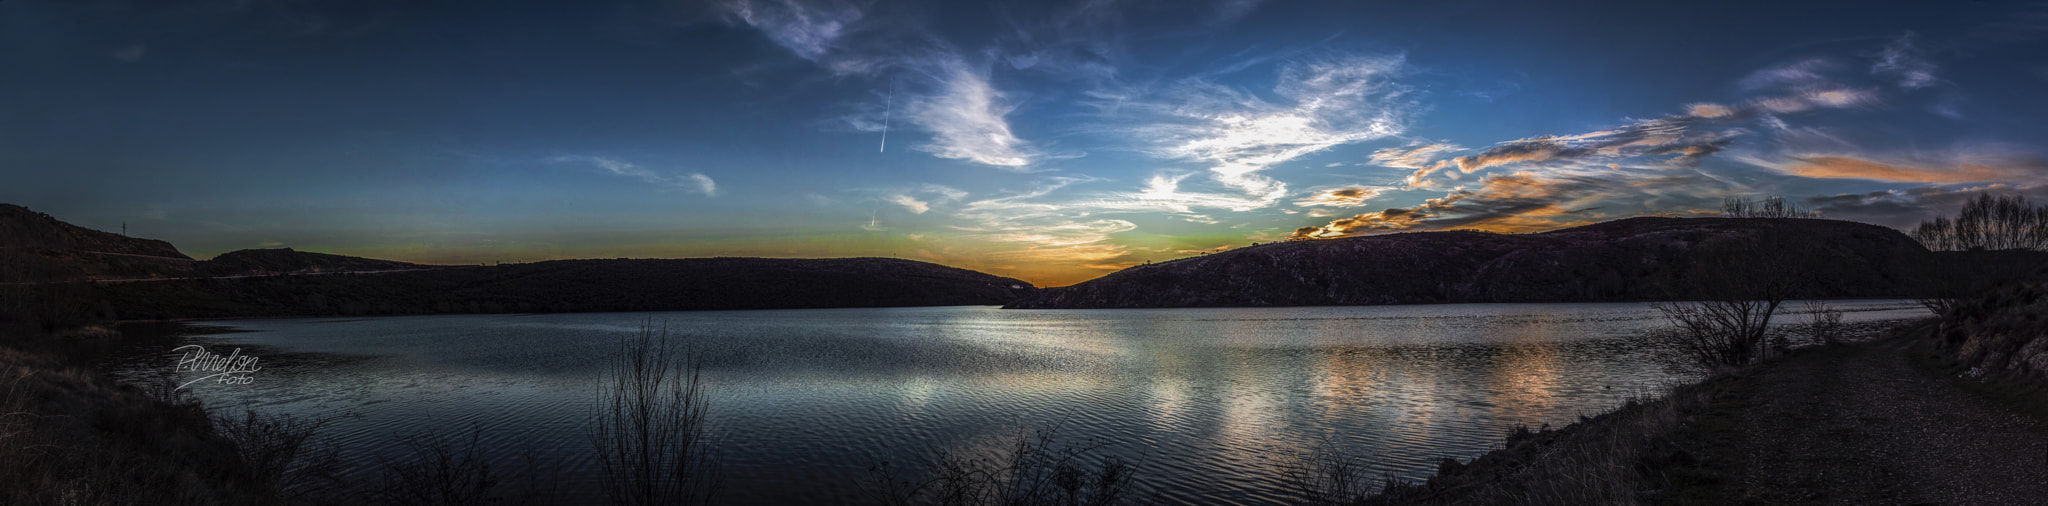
(1709, 110)
(1530, 201)
(1800, 73)
(945, 193)
(1838, 167)
(1683, 140)
(693, 181)
(1906, 208)
(809, 29)
(967, 119)
(1341, 197)
(704, 184)
(1901, 62)
(1389, 219)
(908, 202)
(1323, 103)
(935, 194)
(947, 96)
(1411, 157)
(1835, 98)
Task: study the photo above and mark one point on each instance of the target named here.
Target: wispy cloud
(1902, 63)
(1389, 219)
(967, 118)
(1904, 208)
(1342, 197)
(1325, 102)
(908, 202)
(1983, 164)
(1795, 74)
(693, 181)
(936, 194)
(812, 30)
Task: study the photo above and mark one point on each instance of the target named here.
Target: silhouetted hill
(23, 228)
(286, 261)
(37, 247)
(574, 286)
(1631, 259)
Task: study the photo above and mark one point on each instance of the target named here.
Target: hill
(257, 262)
(1632, 259)
(35, 247)
(574, 286)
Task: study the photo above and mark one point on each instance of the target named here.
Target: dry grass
(283, 452)
(1609, 459)
(71, 436)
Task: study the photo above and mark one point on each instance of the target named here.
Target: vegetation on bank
(70, 435)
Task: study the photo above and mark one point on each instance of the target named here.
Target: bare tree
(1770, 207)
(649, 427)
(1722, 317)
(1988, 223)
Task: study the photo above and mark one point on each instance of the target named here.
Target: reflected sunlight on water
(804, 401)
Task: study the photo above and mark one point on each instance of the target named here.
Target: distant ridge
(576, 286)
(287, 261)
(1622, 260)
(48, 249)
(149, 279)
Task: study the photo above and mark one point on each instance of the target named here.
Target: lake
(803, 402)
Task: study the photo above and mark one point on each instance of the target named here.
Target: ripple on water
(1212, 402)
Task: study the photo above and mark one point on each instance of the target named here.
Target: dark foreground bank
(1913, 416)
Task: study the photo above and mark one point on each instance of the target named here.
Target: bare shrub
(1329, 476)
(439, 470)
(649, 428)
(1030, 471)
(284, 452)
(1824, 323)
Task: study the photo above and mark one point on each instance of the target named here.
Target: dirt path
(1863, 425)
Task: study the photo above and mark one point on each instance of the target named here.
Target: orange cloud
(1842, 167)
(1341, 197)
(1390, 219)
(1508, 203)
(1708, 110)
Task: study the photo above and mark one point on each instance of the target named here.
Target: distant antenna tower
(124, 229)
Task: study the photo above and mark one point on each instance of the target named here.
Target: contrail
(888, 104)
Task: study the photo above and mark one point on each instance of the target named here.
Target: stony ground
(1866, 424)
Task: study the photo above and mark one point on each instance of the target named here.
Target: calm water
(805, 401)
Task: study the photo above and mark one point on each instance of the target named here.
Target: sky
(1050, 141)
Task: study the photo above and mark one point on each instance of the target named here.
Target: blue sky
(1052, 141)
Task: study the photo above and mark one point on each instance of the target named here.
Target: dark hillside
(1631, 259)
(574, 286)
(23, 228)
(286, 261)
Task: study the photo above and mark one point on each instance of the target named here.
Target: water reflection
(803, 402)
